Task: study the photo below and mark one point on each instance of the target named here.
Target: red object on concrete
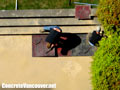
(39, 48)
(82, 11)
(59, 52)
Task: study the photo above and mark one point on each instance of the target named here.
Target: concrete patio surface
(18, 66)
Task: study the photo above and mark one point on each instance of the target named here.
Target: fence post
(16, 6)
(69, 2)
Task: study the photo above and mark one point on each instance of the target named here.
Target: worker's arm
(56, 29)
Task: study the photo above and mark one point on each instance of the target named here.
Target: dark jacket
(53, 37)
(95, 38)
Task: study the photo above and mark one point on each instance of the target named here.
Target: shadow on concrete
(84, 49)
(68, 41)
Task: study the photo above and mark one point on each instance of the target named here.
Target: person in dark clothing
(53, 36)
(56, 39)
(95, 37)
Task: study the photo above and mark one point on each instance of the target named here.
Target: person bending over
(53, 37)
(95, 37)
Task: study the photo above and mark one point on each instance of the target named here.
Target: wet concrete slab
(83, 49)
(75, 45)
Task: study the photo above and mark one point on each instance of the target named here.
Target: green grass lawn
(40, 4)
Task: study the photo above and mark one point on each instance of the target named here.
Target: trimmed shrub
(108, 14)
(105, 66)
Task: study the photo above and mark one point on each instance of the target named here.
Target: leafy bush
(109, 15)
(106, 64)
(105, 67)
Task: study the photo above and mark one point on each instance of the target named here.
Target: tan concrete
(41, 13)
(37, 30)
(18, 66)
(45, 21)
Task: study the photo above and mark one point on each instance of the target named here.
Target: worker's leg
(48, 28)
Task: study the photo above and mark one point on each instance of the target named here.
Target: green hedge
(105, 67)
(109, 15)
